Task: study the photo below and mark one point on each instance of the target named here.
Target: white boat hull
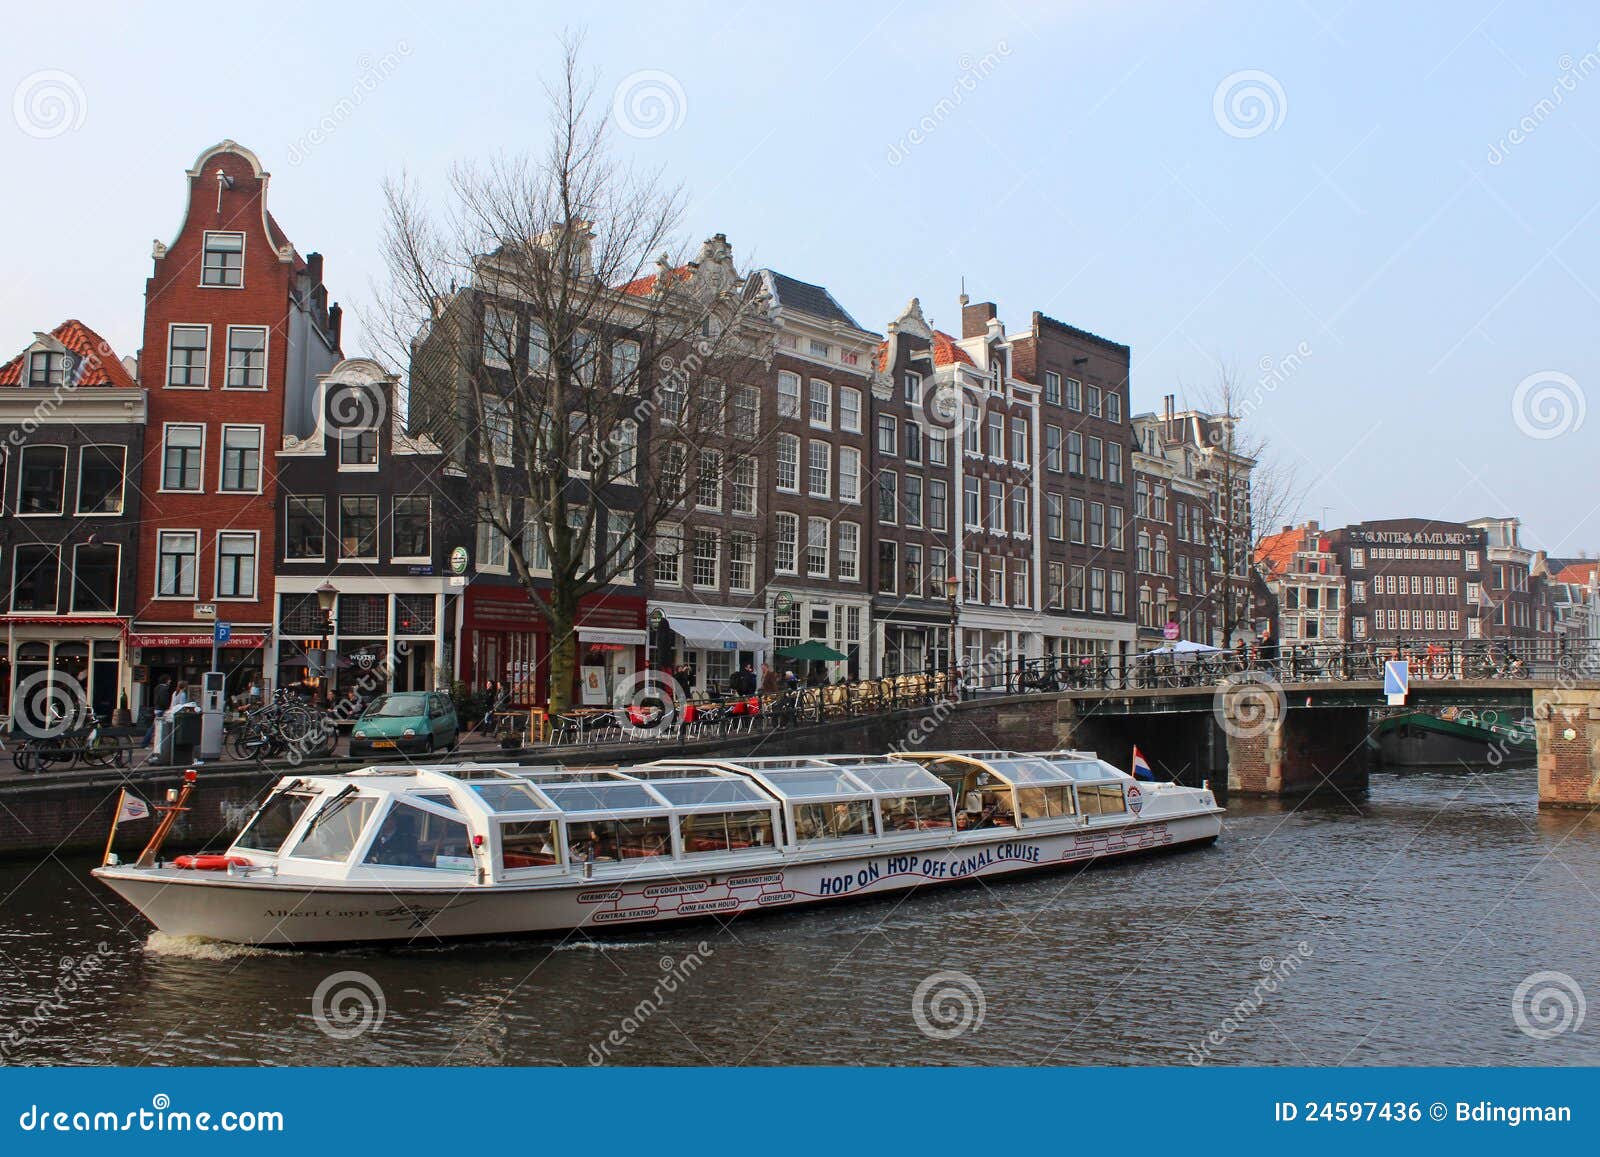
(260, 910)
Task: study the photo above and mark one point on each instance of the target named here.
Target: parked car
(406, 722)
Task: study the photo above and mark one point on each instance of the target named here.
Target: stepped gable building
(1306, 591)
(237, 329)
(72, 424)
(1515, 584)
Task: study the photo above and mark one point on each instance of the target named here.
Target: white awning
(613, 635)
(716, 634)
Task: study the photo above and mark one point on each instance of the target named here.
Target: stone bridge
(1260, 737)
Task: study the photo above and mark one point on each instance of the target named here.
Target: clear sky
(1333, 185)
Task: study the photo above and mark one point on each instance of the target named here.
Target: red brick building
(237, 327)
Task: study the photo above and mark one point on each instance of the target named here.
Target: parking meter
(213, 689)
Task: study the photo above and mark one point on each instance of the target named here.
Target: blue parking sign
(221, 633)
(1396, 679)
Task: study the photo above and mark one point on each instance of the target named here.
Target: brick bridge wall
(1566, 724)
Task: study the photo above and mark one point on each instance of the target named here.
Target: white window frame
(255, 574)
(812, 447)
(205, 251)
(850, 495)
(853, 411)
(812, 523)
(72, 579)
(826, 398)
(166, 430)
(194, 585)
(854, 553)
(785, 440)
(780, 520)
(205, 361)
(266, 356)
(222, 457)
(77, 498)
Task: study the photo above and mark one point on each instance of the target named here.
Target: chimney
(314, 267)
(335, 323)
(131, 364)
(975, 319)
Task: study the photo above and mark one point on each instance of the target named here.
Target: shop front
(62, 662)
(706, 644)
(913, 641)
(383, 635)
(184, 658)
(506, 640)
(836, 621)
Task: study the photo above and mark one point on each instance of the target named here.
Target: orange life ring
(210, 863)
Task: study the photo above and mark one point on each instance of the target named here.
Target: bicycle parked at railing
(89, 744)
(275, 729)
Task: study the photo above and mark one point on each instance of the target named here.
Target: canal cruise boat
(411, 854)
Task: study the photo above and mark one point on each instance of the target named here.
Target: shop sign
(205, 610)
(458, 560)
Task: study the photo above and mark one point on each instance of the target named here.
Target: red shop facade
(505, 639)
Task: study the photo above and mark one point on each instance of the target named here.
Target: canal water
(1442, 919)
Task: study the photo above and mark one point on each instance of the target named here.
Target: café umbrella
(812, 651)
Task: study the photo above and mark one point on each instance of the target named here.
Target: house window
(850, 409)
(1097, 524)
(888, 429)
(746, 411)
(786, 552)
(493, 550)
(1114, 462)
(223, 263)
(241, 459)
(996, 511)
(888, 497)
(1075, 453)
(101, 471)
(42, 485)
(849, 551)
(47, 368)
(821, 398)
(746, 480)
(1055, 522)
(34, 578)
(913, 570)
(624, 362)
(819, 469)
(1052, 387)
(1074, 394)
(182, 457)
(938, 449)
(712, 416)
(1019, 441)
(911, 387)
(742, 563)
(1019, 510)
(997, 582)
(911, 500)
(1021, 590)
(817, 547)
(1114, 527)
(706, 572)
(708, 484)
(499, 337)
(913, 441)
(358, 526)
(1075, 519)
(669, 554)
(188, 348)
(236, 566)
(1094, 402)
(995, 424)
(788, 459)
(497, 437)
(94, 578)
(413, 517)
(1358, 558)
(971, 504)
(1076, 588)
(247, 357)
(1113, 406)
(788, 395)
(176, 551)
(849, 474)
(539, 352)
(1052, 449)
(303, 530)
(1096, 462)
(1119, 593)
(1056, 586)
(888, 567)
(938, 504)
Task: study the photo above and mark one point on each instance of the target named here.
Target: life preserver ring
(210, 863)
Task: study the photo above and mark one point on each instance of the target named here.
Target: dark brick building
(1413, 579)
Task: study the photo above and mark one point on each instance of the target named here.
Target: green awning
(812, 650)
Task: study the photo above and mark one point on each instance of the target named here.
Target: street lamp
(953, 586)
(327, 599)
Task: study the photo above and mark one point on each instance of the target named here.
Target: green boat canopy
(811, 650)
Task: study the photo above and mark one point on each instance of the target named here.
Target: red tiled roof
(946, 351)
(1276, 551)
(1576, 572)
(103, 366)
(643, 286)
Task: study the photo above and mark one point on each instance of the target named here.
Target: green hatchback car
(408, 723)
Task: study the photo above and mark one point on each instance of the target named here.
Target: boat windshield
(414, 837)
(271, 825)
(334, 831)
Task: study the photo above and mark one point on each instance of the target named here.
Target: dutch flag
(1141, 766)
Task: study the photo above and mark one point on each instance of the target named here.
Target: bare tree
(568, 358)
(1255, 491)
